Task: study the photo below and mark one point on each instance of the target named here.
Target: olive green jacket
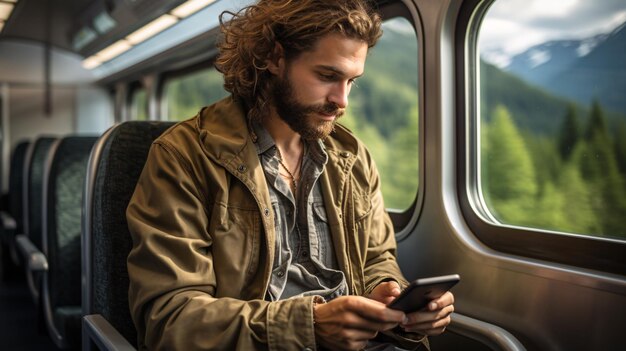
(204, 238)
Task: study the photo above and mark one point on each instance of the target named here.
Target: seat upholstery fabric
(124, 152)
(65, 185)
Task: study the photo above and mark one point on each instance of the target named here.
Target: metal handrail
(488, 334)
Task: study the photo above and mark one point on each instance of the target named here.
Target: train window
(139, 104)
(186, 94)
(551, 123)
(383, 112)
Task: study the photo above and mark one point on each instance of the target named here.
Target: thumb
(386, 292)
(392, 288)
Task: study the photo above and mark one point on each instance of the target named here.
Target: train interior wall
(75, 105)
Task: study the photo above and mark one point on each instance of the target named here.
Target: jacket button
(266, 212)
(345, 154)
(242, 168)
(307, 349)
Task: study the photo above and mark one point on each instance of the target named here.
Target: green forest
(548, 162)
(571, 181)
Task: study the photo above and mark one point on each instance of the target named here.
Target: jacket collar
(224, 133)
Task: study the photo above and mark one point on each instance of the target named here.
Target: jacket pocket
(362, 206)
(236, 247)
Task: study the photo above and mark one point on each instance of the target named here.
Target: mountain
(543, 62)
(532, 108)
(579, 69)
(601, 74)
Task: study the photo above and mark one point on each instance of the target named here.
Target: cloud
(512, 26)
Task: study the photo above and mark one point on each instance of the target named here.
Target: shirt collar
(264, 140)
(316, 150)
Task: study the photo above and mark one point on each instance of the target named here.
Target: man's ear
(276, 61)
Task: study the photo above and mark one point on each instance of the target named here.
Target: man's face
(311, 92)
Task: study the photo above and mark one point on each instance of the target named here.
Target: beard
(301, 117)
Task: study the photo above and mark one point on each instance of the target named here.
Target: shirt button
(280, 274)
(242, 168)
(305, 253)
(307, 349)
(345, 154)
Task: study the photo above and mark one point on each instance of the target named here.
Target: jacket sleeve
(380, 263)
(172, 293)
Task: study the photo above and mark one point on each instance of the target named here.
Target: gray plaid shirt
(305, 262)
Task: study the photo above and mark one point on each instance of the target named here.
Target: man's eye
(327, 77)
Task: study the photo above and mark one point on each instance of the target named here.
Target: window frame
(173, 74)
(133, 88)
(405, 221)
(589, 252)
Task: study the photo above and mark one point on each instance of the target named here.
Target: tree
(404, 176)
(620, 147)
(599, 168)
(546, 159)
(510, 176)
(577, 210)
(569, 133)
(597, 122)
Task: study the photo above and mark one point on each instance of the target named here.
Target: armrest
(7, 221)
(104, 335)
(488, 334)
(35, 259)
(9, 228)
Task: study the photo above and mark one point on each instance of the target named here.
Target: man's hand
(385, 292)
(432, 320)
(349, 322)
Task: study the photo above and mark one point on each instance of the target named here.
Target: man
(259, 223)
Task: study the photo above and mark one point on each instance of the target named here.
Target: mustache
(328, 109)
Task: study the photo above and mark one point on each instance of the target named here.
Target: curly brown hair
(249, 37)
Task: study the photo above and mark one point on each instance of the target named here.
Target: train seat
(64, 177)
(114, 168)
(11, 221)
(29, 242)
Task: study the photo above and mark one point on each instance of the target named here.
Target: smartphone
(421, 291)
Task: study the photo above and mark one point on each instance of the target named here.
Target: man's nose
(339, 94)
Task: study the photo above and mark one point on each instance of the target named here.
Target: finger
(428, 328)
(359, 334)
(433, 332)
(385, 292)
(375, 311)
(441, 302)
(391, 288)
(428, 316)
(357, 321)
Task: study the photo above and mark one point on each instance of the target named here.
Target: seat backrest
(16, 184)
(33, 188)
(64, 179)
(114, 168)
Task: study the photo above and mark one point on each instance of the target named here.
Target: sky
(512, 26)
